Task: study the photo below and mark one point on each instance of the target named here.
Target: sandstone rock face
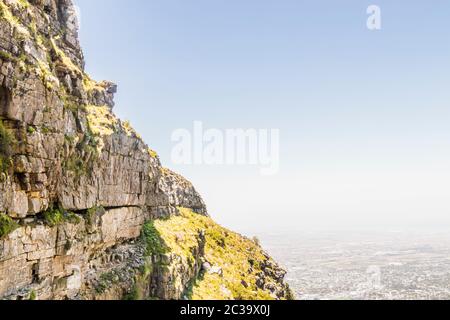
(76, 183)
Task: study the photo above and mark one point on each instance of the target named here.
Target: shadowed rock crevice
(5, 101)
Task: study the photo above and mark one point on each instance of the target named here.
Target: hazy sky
(363, 115)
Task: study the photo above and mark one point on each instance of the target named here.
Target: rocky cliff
(86, 209)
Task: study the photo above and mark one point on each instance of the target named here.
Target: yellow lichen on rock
(101, 120)
(129, 130)
(152, 153)
(234, 267)
(65, 59)
(90, 85)
(5, 12)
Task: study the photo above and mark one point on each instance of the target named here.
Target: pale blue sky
(364, 116)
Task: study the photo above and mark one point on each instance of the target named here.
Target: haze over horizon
(363, 115)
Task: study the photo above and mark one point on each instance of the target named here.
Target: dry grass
(238, 256)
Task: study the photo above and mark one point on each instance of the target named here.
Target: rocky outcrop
(77, 184)
(177, 191)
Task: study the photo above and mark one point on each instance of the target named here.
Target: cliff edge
(86, 209)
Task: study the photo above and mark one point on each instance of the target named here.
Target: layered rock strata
(78, 186)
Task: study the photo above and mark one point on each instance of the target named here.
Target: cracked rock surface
(77, 184)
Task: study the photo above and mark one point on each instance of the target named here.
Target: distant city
(373, 266)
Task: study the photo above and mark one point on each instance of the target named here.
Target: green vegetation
(129, 130)
(106, 281)
(68, 102)
(55, 216)
(138, 292)
(154, 243)
(90, 85)
(133, 295)
(239, 258)
(44, 68)
(290, 295)
(92, 213)
(89, 145)
(71, 139)
(6, 143)
(256, 241)
(102, 122)
(80, 163)
(4, 55)
(76, 166)
(31, 130)
(64, 58)
(7, 56)
(7, 225)
(152, 153)
(6, 14)
(45, 72)
(154, 246)
(33, 295)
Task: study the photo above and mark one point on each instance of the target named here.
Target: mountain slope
(86, 209)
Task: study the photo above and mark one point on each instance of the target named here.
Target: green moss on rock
(6, 143)
(55, 216)
(7, 225)
(154, 242)
(240, 262)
